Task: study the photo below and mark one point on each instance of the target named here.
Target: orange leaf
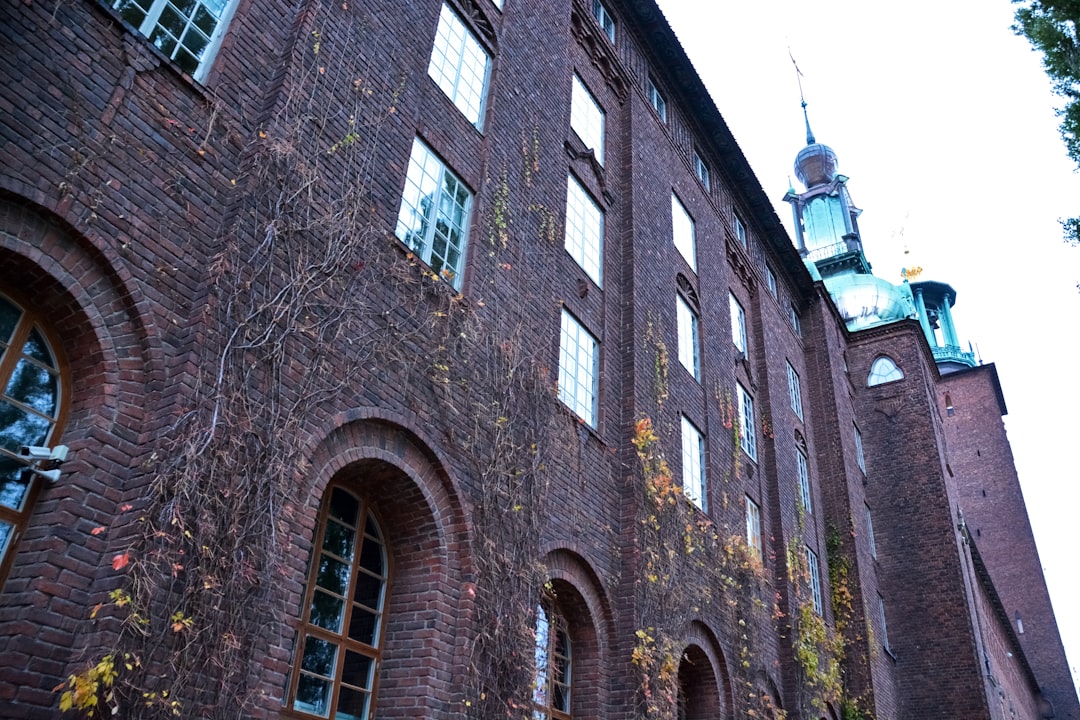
(125, 507)
(120, 561)
(98, 530)
(95, 611)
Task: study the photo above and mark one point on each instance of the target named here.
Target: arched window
(884, 371)
(32, 410)
(698, 697)
(339, 645)
(551, 688)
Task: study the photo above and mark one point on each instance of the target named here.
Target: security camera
(35, 452)
(48, 459)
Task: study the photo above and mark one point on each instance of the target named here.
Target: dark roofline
(994, 379)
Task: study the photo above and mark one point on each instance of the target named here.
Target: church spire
(802, 99)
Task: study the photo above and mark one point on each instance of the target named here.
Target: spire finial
(802, 99)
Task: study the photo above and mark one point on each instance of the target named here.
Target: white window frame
(813, 569)
(656, 99)
(428, 180)
(605, 19)
(738, 324)
(689, 337)
(740, 230)
(753, 527)
(870, 532)
(157, 34)
(747, 431)
(794, 390)
(460, 66)
(682, 232)
(884, 625)
(702, 171)
(579, 368)
(584, 234)
(859, 456)
(796, 321)
(802, 467)
(587, 119)
(693, 463)
(770, 281)
(884, 370)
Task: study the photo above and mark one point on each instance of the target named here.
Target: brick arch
(707, 667)
(429, 604)
(580, 597)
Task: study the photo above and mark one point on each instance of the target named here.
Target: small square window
(188, 33)
(802, 465)
(747, 431)
(738, 325)
(579, 368)
(693, 458)
(740, 230)
(584, 236)
(459, 66)
(859, 450)
(587, 119)
(870, 532)
(434, 216)
(753, 526)
(702, 171)
(814, 571)
(607, 22)
(796, 321)
(794, 390)
(657, 101)
(770, 280)
(682, 232)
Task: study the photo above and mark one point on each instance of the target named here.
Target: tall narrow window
(579, 368)
(738, 324)
(688, 337)
(554, 666)
(657, 100)
(796, 321)
(770, 280)
(682, 232)
(859, 457)
(434, 216)
(794, 390)
(753, 526)
(340, 638)
(740, 230)
(747, 431)
(31, 413)
(884, 625)
(604, 18)
(587, 119)
(870, 532)
(702, 171)
(188, 32)
(584, 236)
(814, 571)
(459, 66)
(693, 457)
(802, 465)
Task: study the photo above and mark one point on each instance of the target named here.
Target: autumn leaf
(119, 562)
(98, 530)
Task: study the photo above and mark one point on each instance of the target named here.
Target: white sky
(944, 121)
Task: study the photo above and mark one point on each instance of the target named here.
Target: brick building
(446, 359)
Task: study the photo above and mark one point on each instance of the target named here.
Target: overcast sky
(944, 122)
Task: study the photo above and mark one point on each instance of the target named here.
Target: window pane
(688, 338)
(344, 507)
(693, 457)
(682, 228)
(363, 625)
(357, 671)
(587, 119)
(352, 704)
(14, 482)
(578, 361)
(368, 591)
(339, 540)
(6, 531)
(371, 557)
(459, 65)
(327, 611)
(9, 318)
(313, 695)
(584, 237)
(34, 386)
(19, 427)
(333, 575)
(320, 656)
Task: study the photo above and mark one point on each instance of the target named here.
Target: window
(884, 626)
(607, 23)
(579, 364)
(693, 464)
(587, 119)
(459, 66)
(554, 666)
(738, 324)
(740, 230)
(688, 337)
(870, 532)
(657, 101)
(747, 432)
(497, 3)
(434, 216)
(339, 642)
(753, 526)
(814, 572)
(802, 465)
(188, 32)
(859, 457)
(31, 413)
(794, 390)
(682, 232)
(884, 370)
(796, 321)
(702, 170)
(584, 237)
(770, 280)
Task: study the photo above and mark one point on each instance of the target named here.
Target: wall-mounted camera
(44, 461)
